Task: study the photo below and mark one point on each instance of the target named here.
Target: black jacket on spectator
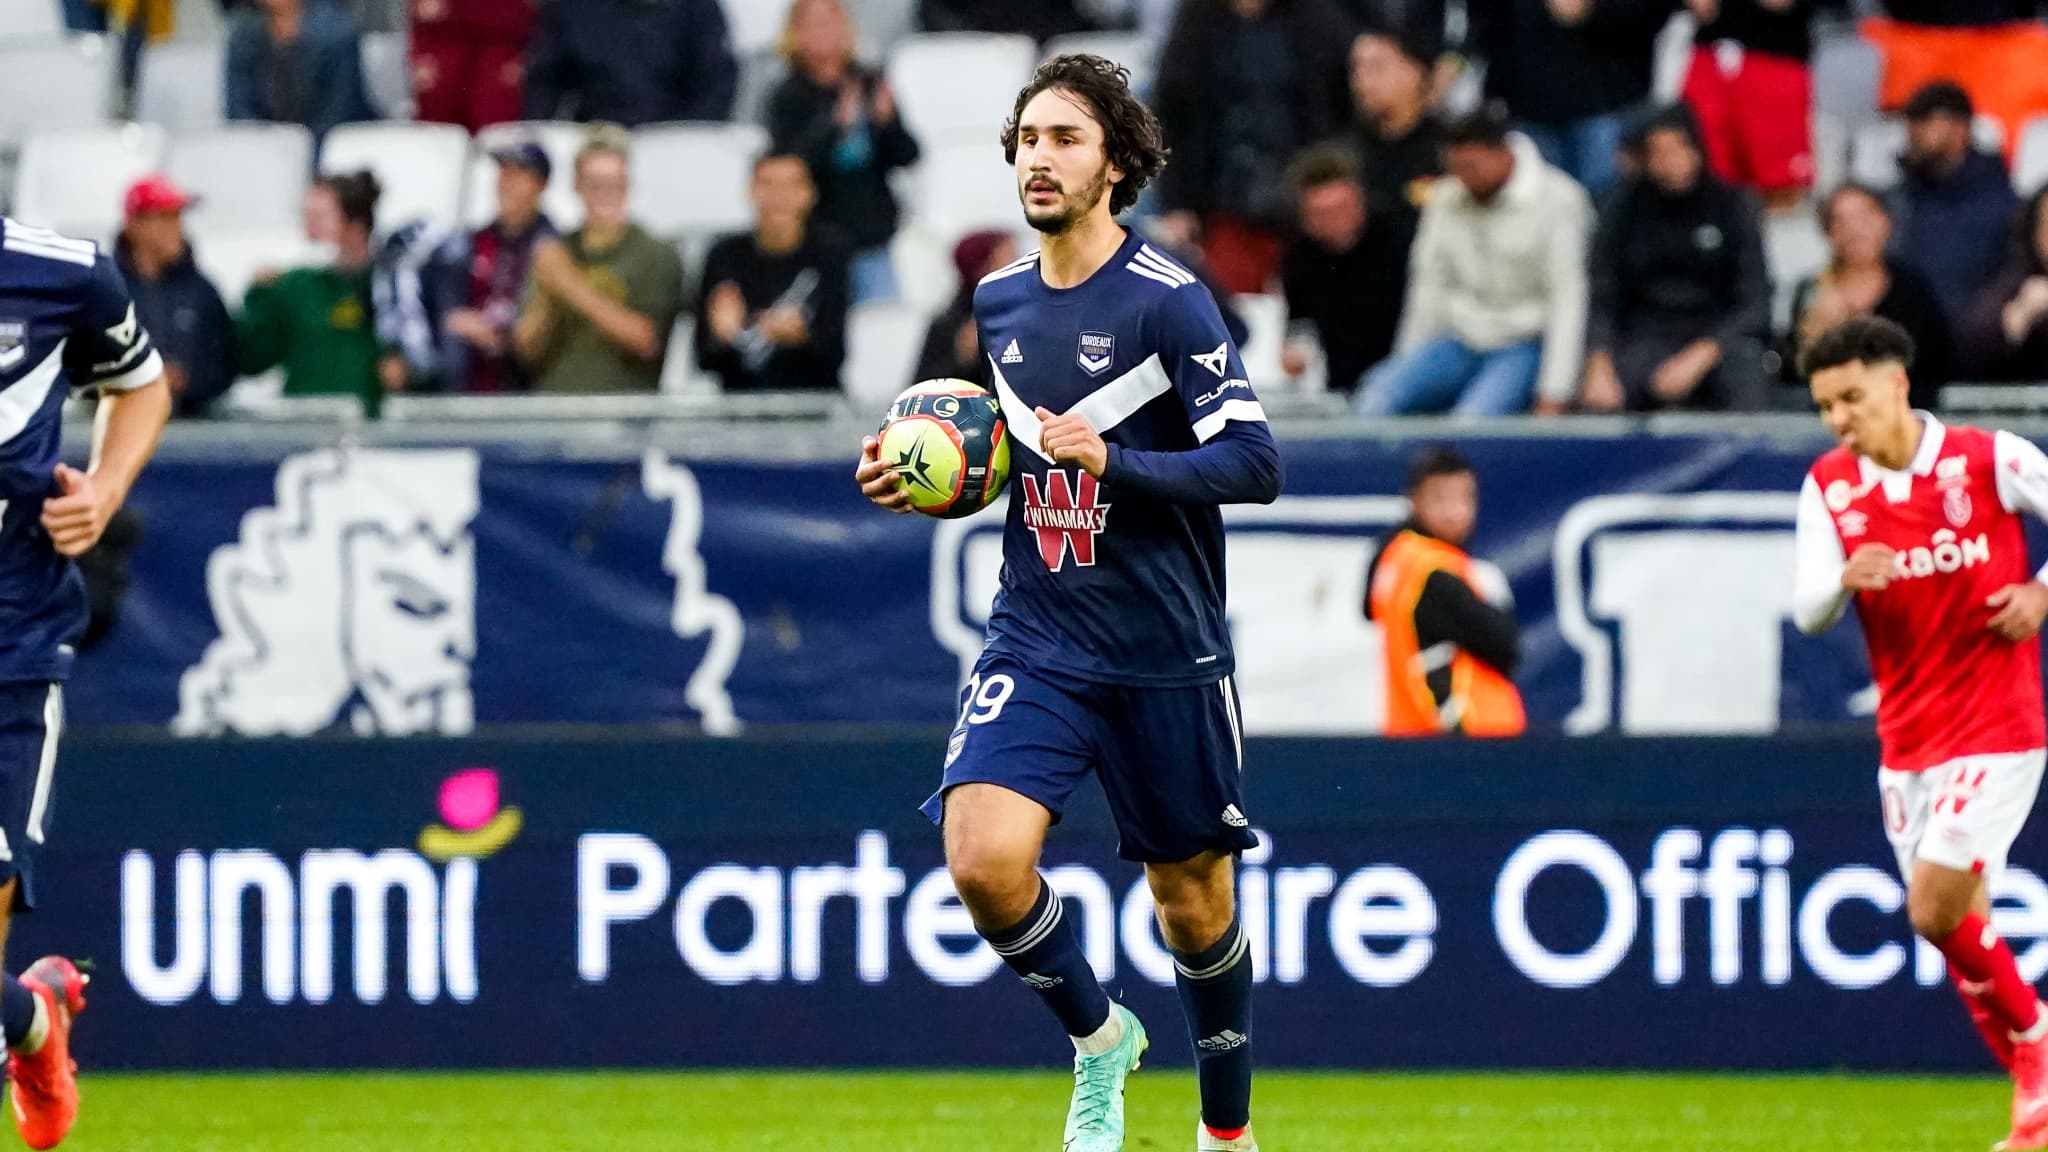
(190, 325)
(1668, 270)
(485, 270)
(1238, 98)
(1037, 19)
(1962, 13)
(1987, 355)
(940, 357)
(1420, 22)
(813, 277)
(1551, 74)
(1687, 267)
(1910, 303)
(851, 166)
(1787, 33)
(630, 62)
(1956, 230)
(1398, 172)
(315, 81)
(1353, 298)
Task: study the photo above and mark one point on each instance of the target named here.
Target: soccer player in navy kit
(66, 321)
(1132, 423)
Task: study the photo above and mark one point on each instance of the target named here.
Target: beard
(1072, 207)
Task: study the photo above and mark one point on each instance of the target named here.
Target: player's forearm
(1230, 469)
(125, 433)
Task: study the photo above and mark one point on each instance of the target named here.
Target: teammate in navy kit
(1131, 422)
(66, 321)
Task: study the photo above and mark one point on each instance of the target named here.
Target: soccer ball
(949, 442)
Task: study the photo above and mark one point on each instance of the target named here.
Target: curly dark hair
(357, 193)
(1131, 138)
(1862, 340)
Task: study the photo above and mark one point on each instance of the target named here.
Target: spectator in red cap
(469, 59)
(175, 302)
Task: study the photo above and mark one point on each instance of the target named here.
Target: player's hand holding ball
(1069, 437)
(878, 480)
(1870, 569)
(2021, 608)
(76, 518)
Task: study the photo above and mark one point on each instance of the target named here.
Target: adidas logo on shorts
(1012, 355)
(1233, 817)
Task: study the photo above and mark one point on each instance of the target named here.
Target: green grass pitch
(1022, 1112)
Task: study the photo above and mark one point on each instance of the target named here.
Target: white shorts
(1964, 814)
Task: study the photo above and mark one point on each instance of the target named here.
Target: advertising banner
(438, 591)
(1726, 903)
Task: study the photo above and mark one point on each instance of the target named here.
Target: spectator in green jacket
(316, 322)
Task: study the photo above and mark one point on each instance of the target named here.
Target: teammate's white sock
(38, 1032)
(1104, 1038)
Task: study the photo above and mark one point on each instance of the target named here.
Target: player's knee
(1936, 912)
(997, 885)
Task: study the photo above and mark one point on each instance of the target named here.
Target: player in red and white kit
(1919, 523)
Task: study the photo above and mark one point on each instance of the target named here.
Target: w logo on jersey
(1066, 515)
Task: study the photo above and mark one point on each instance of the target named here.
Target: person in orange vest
(1452, 641)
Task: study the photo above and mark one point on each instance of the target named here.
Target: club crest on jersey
(13, 342)
(1839, 495)
(1066, 515)
(1955, 504)
(1097, 351)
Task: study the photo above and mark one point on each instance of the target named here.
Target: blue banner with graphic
(1657, 903)
(440, 590)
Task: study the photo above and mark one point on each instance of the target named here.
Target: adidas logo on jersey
(1223, 1041)
(1042, 983)
(1012, 355)
(1233, 817)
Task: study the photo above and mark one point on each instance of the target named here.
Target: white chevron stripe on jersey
(1121, 398)
(21, 400)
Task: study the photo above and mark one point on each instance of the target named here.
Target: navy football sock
(17, 1010)
(1216, 996)
(1044, 952)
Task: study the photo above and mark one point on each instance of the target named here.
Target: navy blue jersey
(1120, 580)
(65, 321)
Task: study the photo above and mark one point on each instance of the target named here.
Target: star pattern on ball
(913, 467)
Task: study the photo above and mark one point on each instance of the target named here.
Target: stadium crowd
(1484, 208)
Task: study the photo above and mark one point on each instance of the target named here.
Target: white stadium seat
(1874, 153)
(1830, 152)
(1265, 321)
(883, 340)
(965, 186)
(959, 84)
(881, 24)
(233, 257)
(691, 179)
(1126, 48)
(387, 75)
(420, 166)
(1988, 133)
(73, 181)
(245, 175)
(46, 86)
(754, 26)
(561, 140)
(180, 84)
(1846, 71)
(30, 20)
(1794, 249)
(2030, 163)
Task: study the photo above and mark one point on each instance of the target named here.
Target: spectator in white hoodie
(1496, 310)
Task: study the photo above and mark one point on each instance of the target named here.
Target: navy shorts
(31, 720)
(1171, 760)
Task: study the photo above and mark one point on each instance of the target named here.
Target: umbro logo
(1223, 1041)
(1042, 983)
(1215, 361)
(1012, 355)
(1233, 817)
